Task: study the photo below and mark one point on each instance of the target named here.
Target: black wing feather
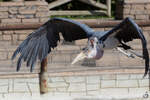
(39, 43)
(126, 31)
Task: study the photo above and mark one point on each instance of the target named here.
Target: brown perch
(43, 76)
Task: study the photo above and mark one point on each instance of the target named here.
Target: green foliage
(83, 17)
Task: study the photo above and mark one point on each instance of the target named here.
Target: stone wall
(86, 78)
(136, 9)
(102, 86)
(23, 12)
(61, 57)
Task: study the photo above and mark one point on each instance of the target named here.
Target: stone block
(7, 37)
(1, 38)
(125, 61)
(4, 89)
(62, 89)
(1, 32)
(138, 7)
(77, 93)
(4, 15)
(14, 39)
(22, 37)
(42, 8)
(127, 83)
(147, 6)
(144, 17)
(60, 58)
(20, 80)
(108, 77)
(50, 89)
(138, 91)
(61, 93)
(109, 59)
(114, 91)
(32, 20)
(42, 14)
(58, 84)
(12, 16)
(8, 32)
(74, 79)
(126, 11)
(74, 87)
(147, 28)
(140, 76)
(129, 15)
(18, 96)
(23, 31)
(10, 4)
(122, 77)
(81, 42)
(33, 80)
(33, 87)
(92, 87)
(3, 82)
(127, 6)
(135, 1)
(13, 10)
(133, 76)
(11, 20)
(57, 79)
(68, 48)
(35, 3)
(108, 83)
(144, 83)
(93, 93)
(10, 85)
(4, 9)
(27, 10)
(98, 29)
(3, 55)
(140, 12)
(26, 16)
(93, 79)
(43, 20)
(21, 87)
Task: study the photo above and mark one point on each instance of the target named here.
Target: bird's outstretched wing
(126, 31)
(39, 43)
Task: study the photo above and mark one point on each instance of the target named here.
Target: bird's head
(94, 50)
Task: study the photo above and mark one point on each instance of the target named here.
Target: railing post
(109, 7)
(43, 77)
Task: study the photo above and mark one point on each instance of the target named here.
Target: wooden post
(43, 77)
(109, 8)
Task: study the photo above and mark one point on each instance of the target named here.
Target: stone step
(61, 57)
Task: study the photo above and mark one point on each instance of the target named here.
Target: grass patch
(83, 17)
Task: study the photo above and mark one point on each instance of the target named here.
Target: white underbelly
(111, 43)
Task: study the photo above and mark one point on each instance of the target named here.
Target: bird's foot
(129, 55)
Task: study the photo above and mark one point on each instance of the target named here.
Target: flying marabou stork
(40, 42)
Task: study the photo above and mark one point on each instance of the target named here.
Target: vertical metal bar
(43, 77)
(108, 7)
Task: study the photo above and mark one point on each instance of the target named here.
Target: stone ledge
(26, 3)
(76, 73)
(137, 1)
(90, 22)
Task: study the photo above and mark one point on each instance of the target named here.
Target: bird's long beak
(79, 57)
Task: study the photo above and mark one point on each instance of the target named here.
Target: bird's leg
(135, 53)
(125, 53)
